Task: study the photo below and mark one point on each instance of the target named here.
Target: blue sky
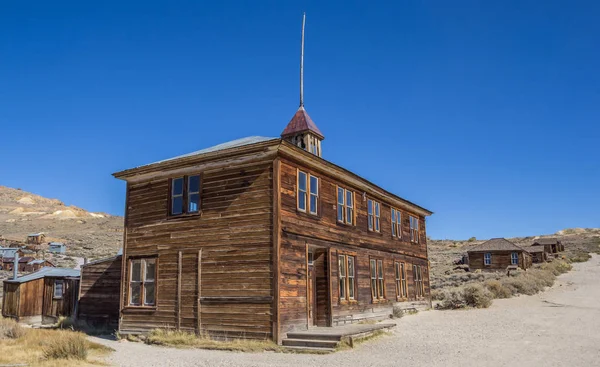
(485, 112)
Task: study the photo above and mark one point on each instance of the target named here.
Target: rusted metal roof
(496, 244)
(301, 122)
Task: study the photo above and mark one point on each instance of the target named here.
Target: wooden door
(312, 295)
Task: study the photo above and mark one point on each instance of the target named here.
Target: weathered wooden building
(258, 237)
(41, 297)
(498, 254)
(36, 238)
(99, 293)
(538, 254)
(551, 245)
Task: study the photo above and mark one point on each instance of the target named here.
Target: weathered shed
(498, 254)
(57, 247)
(35, 265)
(36, 238)
(8, 263)
(42, 296)
(551, 244)
(538, 254)
(99, 293)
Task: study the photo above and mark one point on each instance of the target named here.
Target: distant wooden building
(498, 254)
(538, 254)
(35, 265)
(41, 297)
(99, 293)
(36, 238)
(57, 247)
(9, 263)
(551, 245)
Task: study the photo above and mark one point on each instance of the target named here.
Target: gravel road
(556, 328)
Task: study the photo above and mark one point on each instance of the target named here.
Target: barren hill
(86, 234)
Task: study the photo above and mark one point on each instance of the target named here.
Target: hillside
(86, 234)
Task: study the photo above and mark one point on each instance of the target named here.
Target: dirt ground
(556, 328)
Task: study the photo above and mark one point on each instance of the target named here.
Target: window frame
(377, 291)
(185, 196)
(401, 284)
(344, 259)
(396, 219)
(374, 215)
(511, 258)
(418, 281)
(414, 230)
(308, 193)
(345, 207)
(487, 255)
(62, 289)
(143, 281)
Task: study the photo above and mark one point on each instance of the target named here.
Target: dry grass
(181, 339)
(524, 282)
(48, 348)
(9, 329)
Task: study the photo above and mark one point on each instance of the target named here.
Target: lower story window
(418, 278)
(142, 287)
(514, 258)
(377, 282)
(487, 259)
(401, 288)
(346, 276)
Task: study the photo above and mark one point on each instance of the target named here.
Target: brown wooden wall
(23, 299)
(99, 293)
(10, 300)
(500, 260)
(300, 230)
(53, 308)
(234, 234)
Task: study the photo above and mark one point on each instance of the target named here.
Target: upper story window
(345, 206)
(308, 193)
(142, 276)
(185, 195)
(396, 223)
(59, 288)
(414, 229)
(377, 283)
(514, 258)
(374, 209)
(487, 258)
(346, 277)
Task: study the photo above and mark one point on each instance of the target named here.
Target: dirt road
(556, 328)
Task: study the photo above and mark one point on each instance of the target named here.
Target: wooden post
(179, 261)
(276, 248)
(199, 306)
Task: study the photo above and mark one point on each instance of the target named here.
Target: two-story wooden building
(258, 237)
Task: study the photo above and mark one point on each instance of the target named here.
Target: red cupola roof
(301, 122)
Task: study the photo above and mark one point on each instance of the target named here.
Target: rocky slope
(86, 234)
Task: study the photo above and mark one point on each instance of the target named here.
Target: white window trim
(485, 258)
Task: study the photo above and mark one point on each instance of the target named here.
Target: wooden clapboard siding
(500, 260)
(10, 300)
(99, 293)
(299, 230)
(30, 302)
(53, 308)
(234, 232)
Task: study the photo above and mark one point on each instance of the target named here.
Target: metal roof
(227, 145)
(301, 122)
(39, 261)
(46, 272)
(496, 244)
(56, 244)
(35, 234)
(547, 241)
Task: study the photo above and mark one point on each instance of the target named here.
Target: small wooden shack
(498, 254)
(36, 238)
(538, 254)
(35, 265)
(8, 263)
(41, 297)
(99, 293)
(551, 245)
(57, 247)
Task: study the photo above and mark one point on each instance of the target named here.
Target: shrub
(67, 346)
(10, 329)
(498, 289)
(437, 295)
(475, 295)
(453, 299)
(171, 337)
(397, 312)
(472, 239)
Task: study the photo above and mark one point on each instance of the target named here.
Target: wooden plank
(276, 247)
(199, 304)
(179, 271)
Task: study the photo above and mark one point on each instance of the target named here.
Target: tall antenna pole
(302, 63)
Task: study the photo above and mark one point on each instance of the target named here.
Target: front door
(311, 290)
